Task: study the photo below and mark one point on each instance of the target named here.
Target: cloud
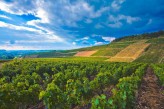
(116, 21)
(99, 43)
(74, 43)
(115, 25)
(48, 35)
(110, 39)
(116, 4)
(67, 21)
(88, 21)
(15, 27)
(17, 47)
(98, 26)
(6, 17)
(17, 7)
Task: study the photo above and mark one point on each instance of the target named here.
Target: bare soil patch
(85, 53)
(150, 93)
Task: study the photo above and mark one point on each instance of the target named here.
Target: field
(122, 49)
(85, 78)
(130, 53)
(110, 49)
(154, 53)
(85, 53)
(78, 83)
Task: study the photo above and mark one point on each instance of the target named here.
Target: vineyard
(73, 83)
(130, 53)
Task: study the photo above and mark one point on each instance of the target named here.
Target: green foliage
(66, 83)
(123, 95)
(141, 36)
(159, 71)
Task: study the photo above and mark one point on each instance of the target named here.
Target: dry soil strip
(85, 53)
(150, 94)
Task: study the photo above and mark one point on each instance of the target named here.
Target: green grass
(156, 40)
(107, 52)
(154, 54)
(2, 61)
(70, 59)
(53, 54)
(112, 49)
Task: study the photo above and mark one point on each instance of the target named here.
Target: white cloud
(85, 38)
(74, 43)
(116, 4)
(99, 43)
(88, 21)
(115, 21)
(110, 39)
(17, 7)
(17, 47)
(115, 25)
(6, 17)
(128, 19)
(82, 39)
(99, 12)
(98, 26)
(15, 27)
(48, 35)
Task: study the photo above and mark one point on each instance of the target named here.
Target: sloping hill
(154, 53)
(85, 53)
(130, 53)
(147, 47)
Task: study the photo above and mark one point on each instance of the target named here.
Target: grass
(154, 54)
(107, 52)
(159, 40)
(112, 49)
(71, 59)
(130, 53)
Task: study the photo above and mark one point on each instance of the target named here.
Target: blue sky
(68, 24)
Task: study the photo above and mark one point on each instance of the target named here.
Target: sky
(69, 24)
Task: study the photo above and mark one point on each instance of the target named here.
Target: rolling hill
(147, 47)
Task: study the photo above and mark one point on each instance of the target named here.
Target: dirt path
(150, 93)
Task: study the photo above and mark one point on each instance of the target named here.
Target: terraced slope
(123, 49)
(112, 49)
(85, 53)
(154, 53)
(130, 53)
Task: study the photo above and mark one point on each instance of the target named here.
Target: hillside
(152, 46)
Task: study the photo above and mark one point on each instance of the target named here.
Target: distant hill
(147, 47)
(11, 54)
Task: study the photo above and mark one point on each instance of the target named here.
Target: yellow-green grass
(130, 53)
(112, 49)
(154, 54)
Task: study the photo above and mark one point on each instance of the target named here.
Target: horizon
(39, 25)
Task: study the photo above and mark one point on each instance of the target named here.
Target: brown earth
(85, 53)
(150, 93)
